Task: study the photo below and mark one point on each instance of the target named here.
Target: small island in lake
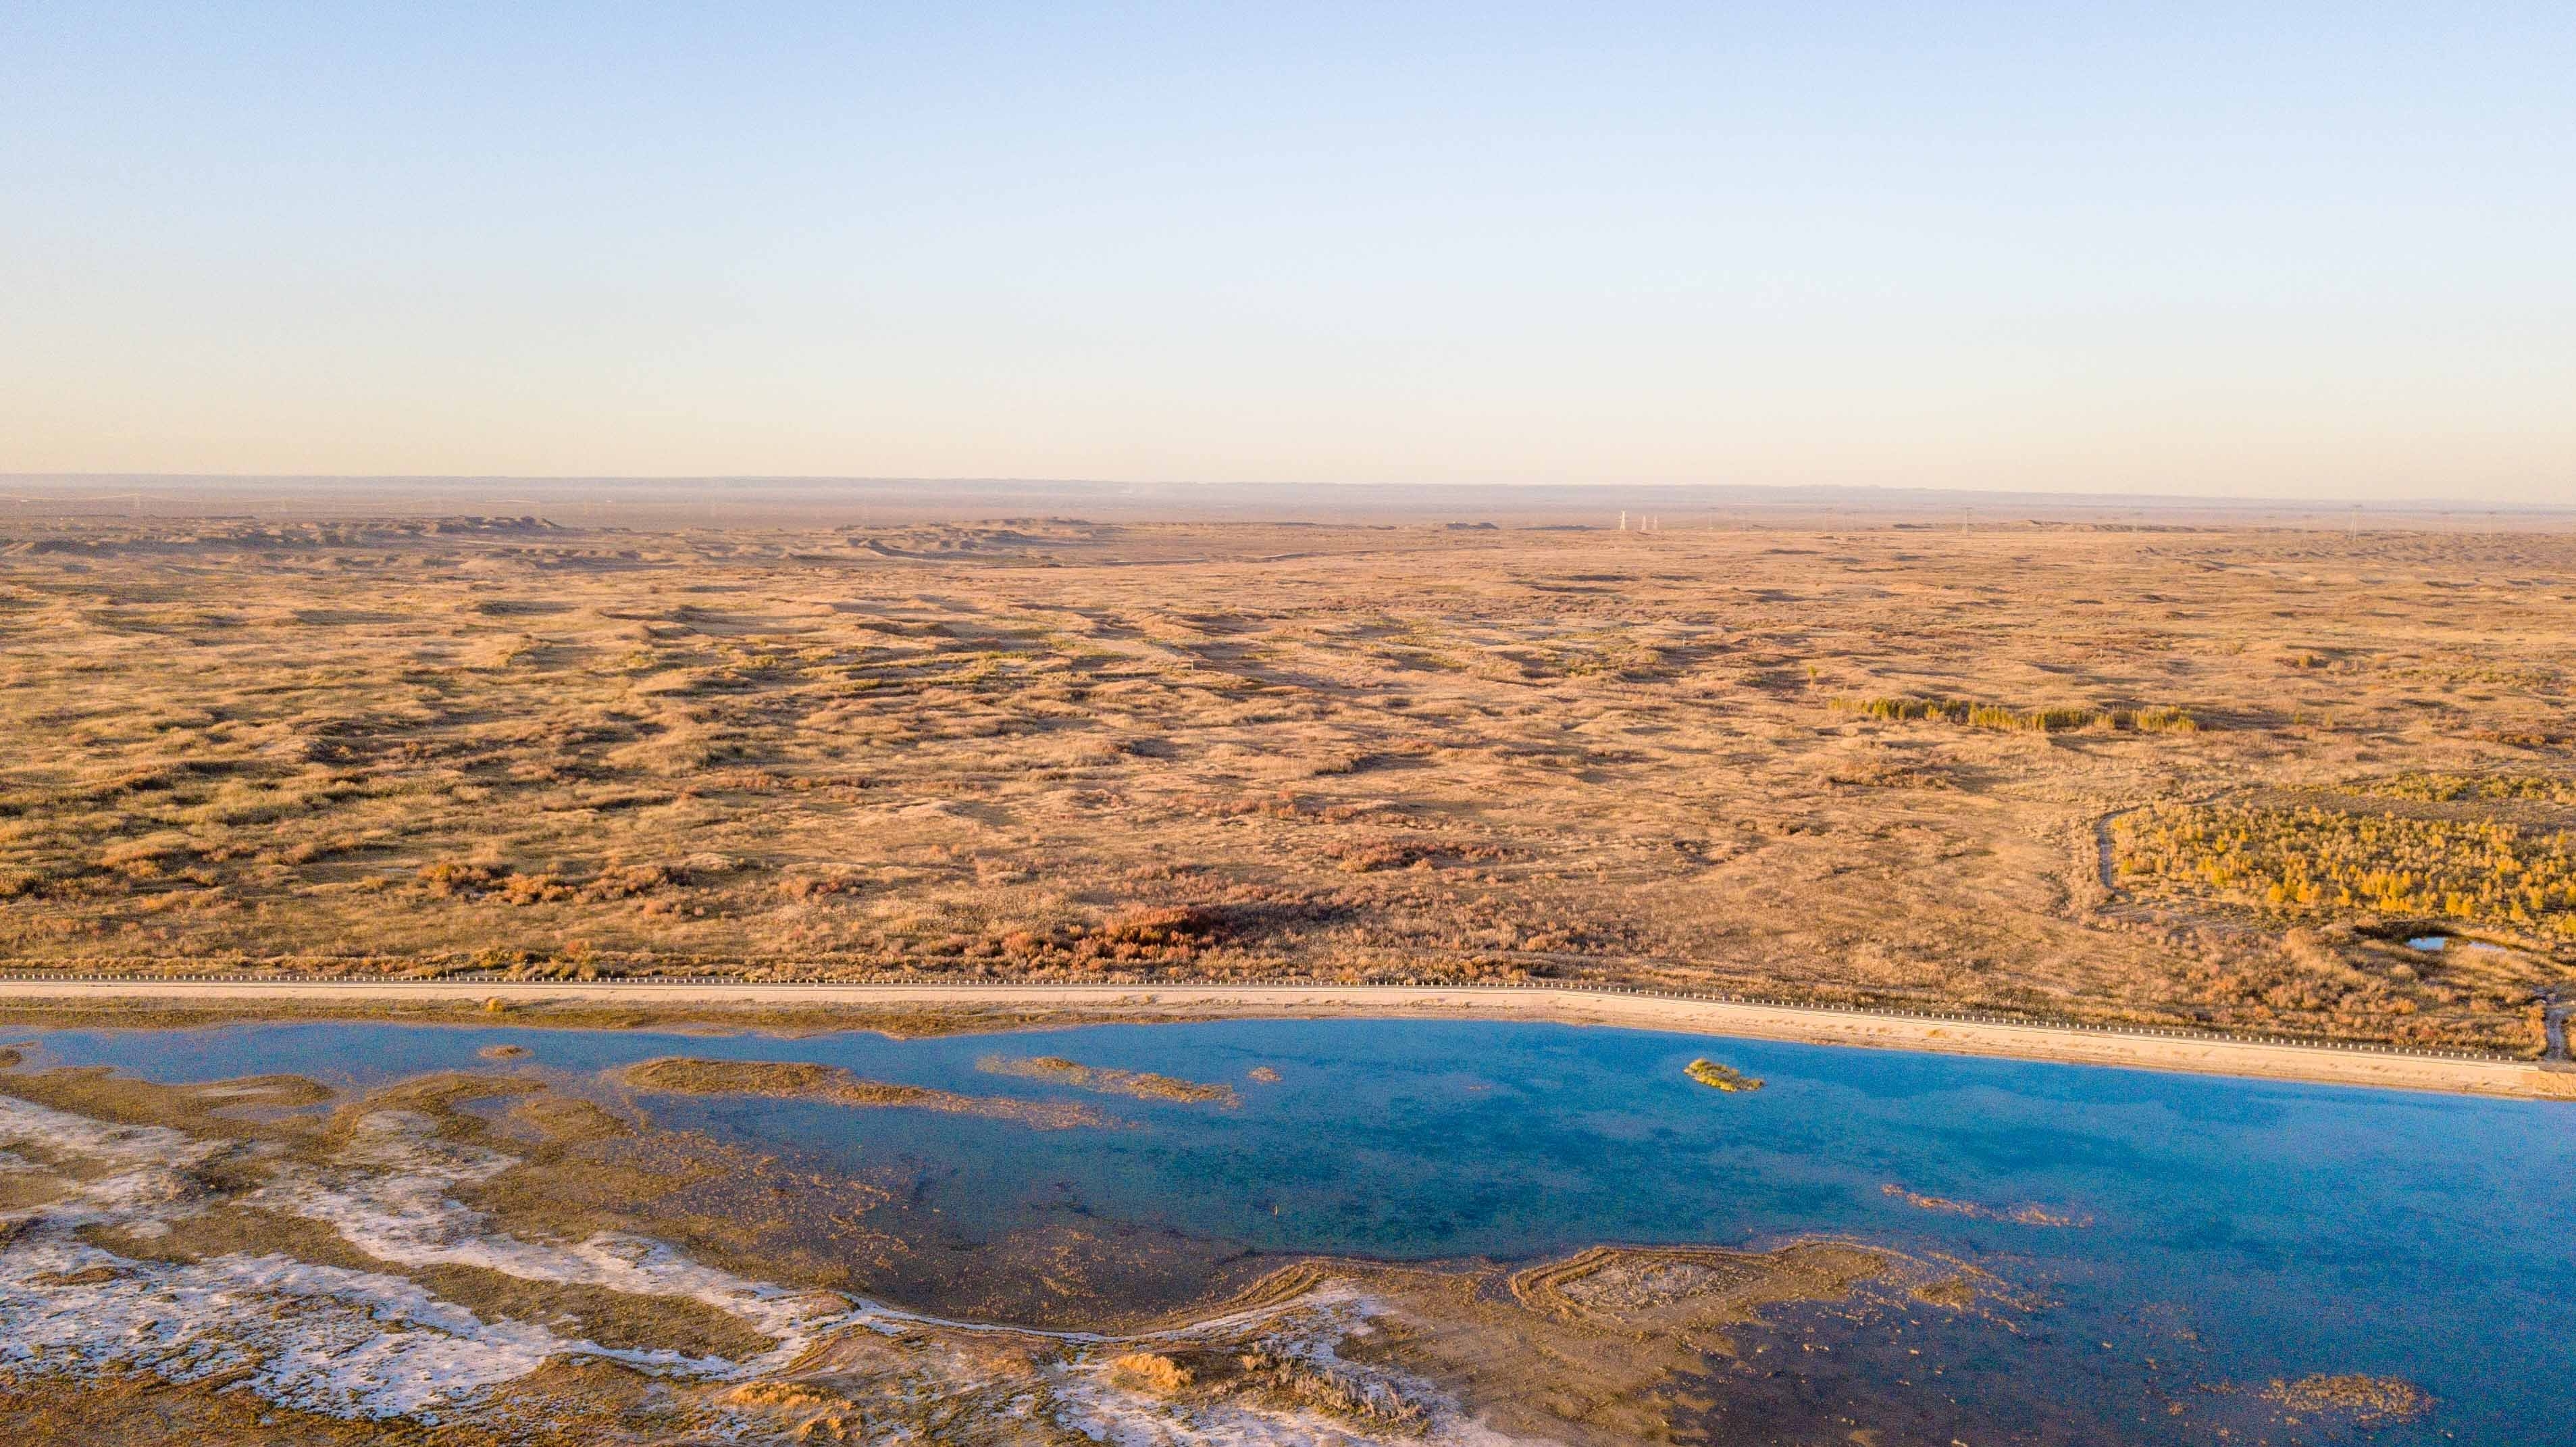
(1720, 1077)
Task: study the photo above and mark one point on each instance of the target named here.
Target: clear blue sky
(2291, 250)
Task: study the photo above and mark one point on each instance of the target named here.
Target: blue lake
(2237, 1231)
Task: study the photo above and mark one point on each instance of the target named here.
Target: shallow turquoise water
(2240, 1231)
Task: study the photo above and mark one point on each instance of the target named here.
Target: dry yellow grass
(1046, 749)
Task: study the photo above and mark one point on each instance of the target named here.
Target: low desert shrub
(2439, 788)
(1973, 714)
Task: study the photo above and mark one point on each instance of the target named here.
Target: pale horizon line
(1923, 491)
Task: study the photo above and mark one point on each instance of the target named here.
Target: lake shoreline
(1071, 1004)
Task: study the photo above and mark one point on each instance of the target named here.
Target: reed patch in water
(1720, 1077)
(832, 1085)
(1143, 1085)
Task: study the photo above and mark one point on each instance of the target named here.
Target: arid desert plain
(2185, 777)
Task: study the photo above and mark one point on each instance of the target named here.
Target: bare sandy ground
(2255, 1059)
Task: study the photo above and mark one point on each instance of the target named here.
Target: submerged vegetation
(2362, 1400)
(2313, 863)
(2026, 1214)
(1720, 1077)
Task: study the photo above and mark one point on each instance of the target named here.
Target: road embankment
(1073, 1003)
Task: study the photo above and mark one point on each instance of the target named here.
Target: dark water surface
(2239, 1231)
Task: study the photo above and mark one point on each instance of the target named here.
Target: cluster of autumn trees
(2310, 862)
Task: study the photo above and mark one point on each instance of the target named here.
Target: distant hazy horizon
(571, 482)
(2303, 253)
(682, 501)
